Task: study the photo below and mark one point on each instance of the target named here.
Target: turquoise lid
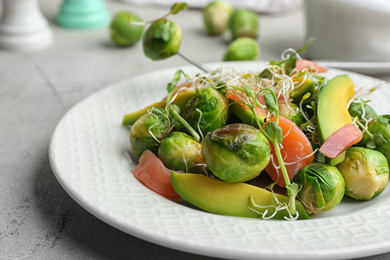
(83, 14)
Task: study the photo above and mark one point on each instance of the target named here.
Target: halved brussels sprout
(236, 152)
(365, 171)
(242, 49)
(122, 32)
(244, 23)
(322, 189)
(378, 137)
(162, 39)
(148, 130)
(216, 16)
(181, 152)
(207, 110)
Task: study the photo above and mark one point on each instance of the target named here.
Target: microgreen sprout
(171, 89)
(269, 211)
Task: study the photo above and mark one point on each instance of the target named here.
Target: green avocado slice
(231, 199)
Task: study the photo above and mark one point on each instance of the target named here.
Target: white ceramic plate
(368, 68)
(89, 156)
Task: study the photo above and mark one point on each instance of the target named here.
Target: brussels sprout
(378, 136)
(356, 110)
(244, 23)
(216, 16)
(162, 39)
(181, 152)
(322, 189)
(148, 130)
(122, 32)
(207, 110)
(236, 152)
(291, 111)
(243, 48)
(365, 172)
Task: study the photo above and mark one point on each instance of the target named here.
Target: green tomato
(216, 16)
(122, 32)
(244, 23)
(162, 40)
(365, 171)
(207, 110)
(181, 152)
(148, 130)
(242, 49)
(236, 152)
(378, 137)
(323, 187)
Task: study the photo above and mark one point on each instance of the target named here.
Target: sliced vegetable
(232, 199)
(365, 171)
(332, 111)
(151, 172)
(296, 151)
(341, 140)
(180, 100)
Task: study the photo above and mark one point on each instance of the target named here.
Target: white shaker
(23, 27)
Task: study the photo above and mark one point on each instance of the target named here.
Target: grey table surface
(38, 219)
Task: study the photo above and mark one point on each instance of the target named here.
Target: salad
(313, 139)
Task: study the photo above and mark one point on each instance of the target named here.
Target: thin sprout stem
(193, 62)
(365, 129)
(151, 21)
(185, 124)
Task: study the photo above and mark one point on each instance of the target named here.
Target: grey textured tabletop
(38, 219)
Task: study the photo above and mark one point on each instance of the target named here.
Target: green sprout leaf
(289, 64)
(178, 7)
(271, 103)
(176, 77)
(274, 132)
(292, 192)
(175, 110)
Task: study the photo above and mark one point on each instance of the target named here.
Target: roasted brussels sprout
(291, 111)
(378, 136)
(181, 152)
(122, 32)
(365, 172)
(242, 49)
(162, 39)
(148, 130)
(236, 152)
(216, 16)
(244, 23)
(358, 109)
(207, 110)
(322, 189)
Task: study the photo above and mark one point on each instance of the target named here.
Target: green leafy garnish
(178, 7)
(274, 132)
(271, 103)
(172, 88)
